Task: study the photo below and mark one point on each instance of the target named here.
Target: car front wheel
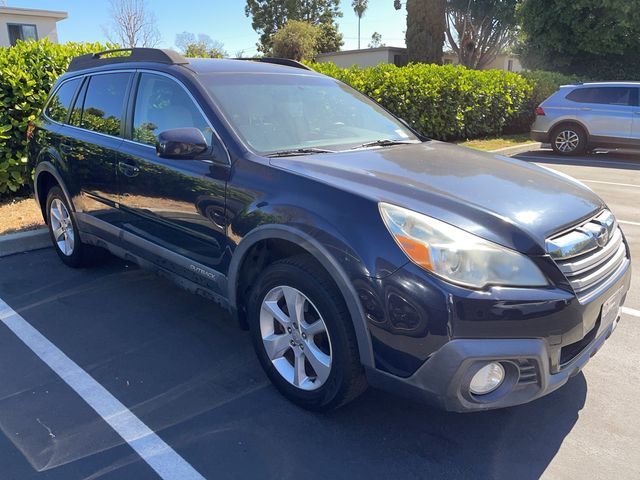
(303, 335)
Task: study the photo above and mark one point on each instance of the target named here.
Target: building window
(510, 65)
(18, 31)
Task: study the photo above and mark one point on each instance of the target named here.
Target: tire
(569, 139)
(64, 234)
(331, 374)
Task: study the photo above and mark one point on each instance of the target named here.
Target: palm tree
(359, 6)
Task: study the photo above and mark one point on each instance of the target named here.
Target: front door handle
(128, 169)
(585, 109)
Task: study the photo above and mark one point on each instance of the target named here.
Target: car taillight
(539, 111)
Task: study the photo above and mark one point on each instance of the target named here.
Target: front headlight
(458, 256)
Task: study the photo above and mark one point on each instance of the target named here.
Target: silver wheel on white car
(295, 338)
(569, 139)
(62, 227)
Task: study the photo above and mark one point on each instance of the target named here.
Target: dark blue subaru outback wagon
(355, 250)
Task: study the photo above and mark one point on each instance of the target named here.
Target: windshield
(284, 112)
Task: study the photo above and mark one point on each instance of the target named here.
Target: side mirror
(181, 143)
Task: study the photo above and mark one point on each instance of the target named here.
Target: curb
(21, 242)
(516, 149)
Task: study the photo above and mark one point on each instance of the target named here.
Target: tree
(329, 38)
(296, 40)
(479, 30)
(199, 46)
(359, 7)
(267, 16)
(132, 24)
(376, 41)
(425, 29)
(599, 39)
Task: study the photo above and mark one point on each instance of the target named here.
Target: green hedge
(452, 103)
(443, 102)
(27, 73)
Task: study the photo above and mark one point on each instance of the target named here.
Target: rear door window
(104, 103)
(60, 103)
(622, 96)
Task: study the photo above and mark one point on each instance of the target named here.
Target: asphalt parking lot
(175, 363)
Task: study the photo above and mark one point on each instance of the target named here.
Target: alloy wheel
(295, 338)
(567, 141)
(62, 227)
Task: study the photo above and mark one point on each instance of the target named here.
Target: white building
(366, 57)
(25, 23)
(370, 57)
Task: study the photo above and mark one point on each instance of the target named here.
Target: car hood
(508, 201)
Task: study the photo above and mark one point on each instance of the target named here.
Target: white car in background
(589, 115)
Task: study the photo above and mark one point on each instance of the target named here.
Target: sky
(222, 20)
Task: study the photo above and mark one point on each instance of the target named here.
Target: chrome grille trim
(576, 266)
(590, 255)
(582, 282)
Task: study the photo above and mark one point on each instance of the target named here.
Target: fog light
(487, 379)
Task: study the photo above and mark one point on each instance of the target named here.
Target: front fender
(324, 257)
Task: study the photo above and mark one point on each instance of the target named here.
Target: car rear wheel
(569, 140)
(64, 233)
(303, 335)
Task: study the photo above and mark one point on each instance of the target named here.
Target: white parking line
(627, 222)
(580, 162)
(631, 311)
(152, 449)
(610, 183)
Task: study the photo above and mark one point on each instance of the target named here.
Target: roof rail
(154, 55)
(287, 62)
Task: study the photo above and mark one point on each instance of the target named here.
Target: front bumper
(535, 366)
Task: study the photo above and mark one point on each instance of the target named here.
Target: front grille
(590, 254)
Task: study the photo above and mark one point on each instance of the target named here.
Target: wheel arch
(45, 176)
(568, 121)
(313, 247)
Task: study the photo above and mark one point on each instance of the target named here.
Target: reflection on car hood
(483, 193)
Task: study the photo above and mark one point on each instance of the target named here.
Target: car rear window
(58, 107)
(104, 103)
(603, 95)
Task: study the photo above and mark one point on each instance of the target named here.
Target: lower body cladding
(512, 363)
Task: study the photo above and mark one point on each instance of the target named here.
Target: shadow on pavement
(187, 372)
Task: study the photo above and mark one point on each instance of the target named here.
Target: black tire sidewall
(582, 136)
(330, 394)
(75, 259)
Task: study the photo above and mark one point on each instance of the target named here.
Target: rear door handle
(585, 109)
(128, 169)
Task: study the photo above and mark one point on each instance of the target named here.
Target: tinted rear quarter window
(623, 96)
(58, 107)
(104, 103)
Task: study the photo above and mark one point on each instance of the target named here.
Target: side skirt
(186, 273)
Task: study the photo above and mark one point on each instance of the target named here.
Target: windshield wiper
(299, 151)
(382, 143)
